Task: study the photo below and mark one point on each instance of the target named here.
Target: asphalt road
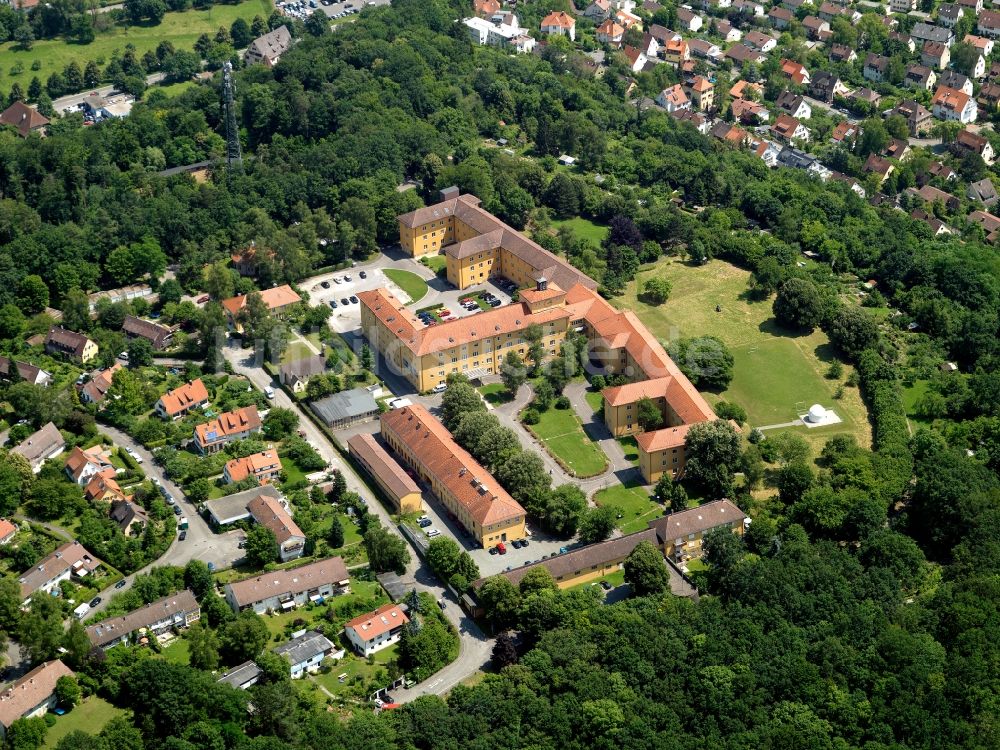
(75, 100)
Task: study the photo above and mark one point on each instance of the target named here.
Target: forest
(862, 609)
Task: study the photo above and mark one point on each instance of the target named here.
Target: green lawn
(595, 399)
(633, 503)
(631, 448)
(495, 393)
(356, 669)
(615, 579)
(776, 371)
(295, 351)
(90, 717)
(181, 29)
(911, 396)
(584, 228)
(293, 472)
(414, 286)
(561, 431)
(437, 263)
(177, 652)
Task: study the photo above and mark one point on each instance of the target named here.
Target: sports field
(181, 29)
(778, 374)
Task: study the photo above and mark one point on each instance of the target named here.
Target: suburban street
(75, 100)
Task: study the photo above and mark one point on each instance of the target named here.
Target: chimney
(541, 284)
(450, 193)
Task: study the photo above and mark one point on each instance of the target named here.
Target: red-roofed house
(952, 104)
(376, 630)
(794, 71)
(265, 466)
(178, 402)
(559, 23)
(228, 426)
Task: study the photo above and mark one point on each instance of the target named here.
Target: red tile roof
(184, 397)
(373, 624)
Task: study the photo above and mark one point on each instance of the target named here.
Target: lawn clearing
(614, 579)
(90, 717)
(437, 263)
(595, 400)
(561, 432)
(585, 229)
(495, 393)
(356, 669)
(181, 29)
(178, 652)
(633, 503)
(414, 286)
(630, 447)
(776, 371)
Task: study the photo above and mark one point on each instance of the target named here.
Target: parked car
(325, 284)
(95, 601)
(344, 302)
(493, 550)
(354, 300)
(363, 274)
(516, 544)
(177, 510)
(501, 548)
(431, 533)
(269, 392)
(347, 277)
(606, 586)
(524, 542)
(442, 604)
(439, 388)
(333, 304)
(121, 584)
(182, 536)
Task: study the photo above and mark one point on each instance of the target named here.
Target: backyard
(778, 374)
(414, 286)
(494, 393)
(181, 29)
(632, 503)
(561, 431)
(90, 717)
(584, 229)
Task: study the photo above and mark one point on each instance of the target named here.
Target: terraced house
(212, 436)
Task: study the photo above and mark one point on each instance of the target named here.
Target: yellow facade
(90, 351)
(475, 269)
(623, 419)
(426, 371)
(690, 547)
(411, 503)
(655, 464)
(427, 239)
(489, 536)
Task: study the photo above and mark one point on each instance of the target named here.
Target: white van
(81, 611)
(269, 392)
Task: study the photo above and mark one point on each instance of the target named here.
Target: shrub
(531, 416)
(562, 402)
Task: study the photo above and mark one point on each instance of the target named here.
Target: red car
(501, 548)
(203, 298)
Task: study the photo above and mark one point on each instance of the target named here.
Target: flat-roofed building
(243, 676)
(376, 630)
(346, 408)
(681, 534)
(392, 478)
(178, 610)
(464, 487)
(282, 590)
(228, 509)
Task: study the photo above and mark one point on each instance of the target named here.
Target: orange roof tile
(275, 298)
(270, 513)
(228, 423)
(454, 467)
(559, 18)
(239, 469)
(373, 624)
(184, 397)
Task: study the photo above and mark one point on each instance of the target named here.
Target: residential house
(760, 41)
(749, 8)
(705, 49)
(793, 5)
(948, 14)
(636, 59)
(688, 20)
(628, 20)
(103, 488)
(794, 105)
(989, 223)
(936, 55)
(676, 53)
(40, 446)
(180, 401)
(230, 509)
(982, 191)
(346, 408)
(264, 466)
(768, 153)
(826, 86)
(306, 652)
(988, 24)
(212, 436)
(786, 129)
(843, 132)
(392, 478)
(955, 80)
(878, 166)
(610, 32)
(749, 112)
(918, 118)
(728, 133)
(130, 517)
(989, 97)
(121, 294)
(269, 48)
(273, 515)
(701, 93)
(95, 389)
(171, 612)
(24, 119)
(937, 226)
(938, 170)
(902, 6)
(922, 33)
(696, 119)
(780, 18)
(816, 28)
(981, 43)
(8, 530)
(84, 464)
(930, 194)
(296, 374)
(662, 34)
(876, 67)
(951, 104)
(376, 630)
(795, 72)
(968, 142)
(158, 336)
(853, 184)
(649, 46)
(903, 39)
(286, 588)
(673, 98)
(32, 695)
(797, 159)
(500, 30)
(746, 90)
(599, 10)
(741, 54)
(248, 261)
(842, 53)
(247, 674)
(727, 31)
(919, 77)
(68, 560)
(974, 7)
(897, 149)
(681, 534)
(26, 371)
(559, 23)
(278, 300)
(75, 346)
(828, 11)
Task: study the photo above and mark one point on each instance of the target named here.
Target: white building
(282, 590)
(32, 695)
(501, 30)
(306, 652)
(376, 630)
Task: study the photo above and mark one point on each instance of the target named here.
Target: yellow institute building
(556, 297)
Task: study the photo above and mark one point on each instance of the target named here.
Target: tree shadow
(772, 328)
(827, 353)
